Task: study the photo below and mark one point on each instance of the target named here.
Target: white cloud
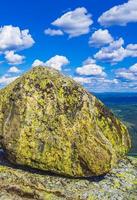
(126, 74)
(89, 60)
(112, 53)
(8, 77)
(123, 80)
(98, 84)
(12, 38)
(110, 81)
(74, 23)
(115, 52)
(132, 47)
(120, 15)
(132, 50)
(14, 69)
(129, 74)
(82, 80)
(38, 62)
(90, 68)
(4, 80)
(13, 58)
(53, 32)
(133, 68)
(100, 38)
(56, 62)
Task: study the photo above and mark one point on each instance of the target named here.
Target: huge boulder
(50, 122)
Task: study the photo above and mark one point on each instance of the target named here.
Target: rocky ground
(21, 184)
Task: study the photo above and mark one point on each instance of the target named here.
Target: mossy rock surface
(19, 184)
(50, 122)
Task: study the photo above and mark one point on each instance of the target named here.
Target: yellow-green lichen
(49, 122)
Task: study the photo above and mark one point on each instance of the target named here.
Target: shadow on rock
(5, 162)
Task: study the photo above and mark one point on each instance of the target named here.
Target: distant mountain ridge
(117, 98)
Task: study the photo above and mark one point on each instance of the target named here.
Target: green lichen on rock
(50, 122)
(120, 184)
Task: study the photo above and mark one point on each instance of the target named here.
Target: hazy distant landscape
(124, 105)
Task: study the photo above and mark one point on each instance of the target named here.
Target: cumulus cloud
(100, 38)
(101, 80)
(94, 78)
(129, 74)
(38, 62)
(109, 81)
(14, 69)
(116, 52)
(120, 14)
(90, 68)
(53, 32)
(98, 84)
(56, 62)
(112, 53)
(13, 58)
(9, 76)
(89, 60)
(12, 38)
(132, 47)
(82, 80)
(133, 68)
(6, 79)
(132, 50)
(74, 23)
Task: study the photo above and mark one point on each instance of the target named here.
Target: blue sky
(91, 41)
